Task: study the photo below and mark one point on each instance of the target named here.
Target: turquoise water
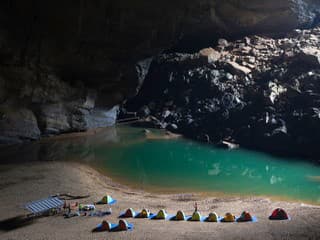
(128, 157)
(182, 165)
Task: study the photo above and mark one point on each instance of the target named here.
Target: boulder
(223, 43)
(17, 125)
(210, 55)
(275, 91)
(236, 68)
(310, 55)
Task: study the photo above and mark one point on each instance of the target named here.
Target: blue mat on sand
(202, 219)
(254, 219)
(136, 215)
(113, 228)
(151, 215)
(122, 215)
(219, 219)
(229, 221)
(174, 218)
(113, 201)
(168, 217)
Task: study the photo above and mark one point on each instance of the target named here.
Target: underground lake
(160, 164)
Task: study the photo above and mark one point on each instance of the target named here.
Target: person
(69, 208)
(195, 207)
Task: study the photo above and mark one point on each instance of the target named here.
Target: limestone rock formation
(268, 99)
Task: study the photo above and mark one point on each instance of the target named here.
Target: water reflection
(80, 146)
(181, 164)
(275, 180)
(215, 170)
(126, 155)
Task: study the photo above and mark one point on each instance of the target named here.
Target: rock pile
(260, 92)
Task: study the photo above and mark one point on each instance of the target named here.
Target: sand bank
(27, 182)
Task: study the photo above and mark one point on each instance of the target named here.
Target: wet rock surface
(259, 92)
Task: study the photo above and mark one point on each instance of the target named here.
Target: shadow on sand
(16, 222)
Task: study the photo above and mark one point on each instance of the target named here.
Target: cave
(98, 82)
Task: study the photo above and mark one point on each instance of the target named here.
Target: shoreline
(204, 194)
(28, 182)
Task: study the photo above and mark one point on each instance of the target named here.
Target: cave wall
(95, 40)
(56, 56)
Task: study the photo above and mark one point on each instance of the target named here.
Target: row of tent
(277, 214)
(123, 225)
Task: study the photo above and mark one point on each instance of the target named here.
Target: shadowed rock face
(57, 55)
(259, 92)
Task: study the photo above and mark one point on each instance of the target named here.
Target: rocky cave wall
(63, 64)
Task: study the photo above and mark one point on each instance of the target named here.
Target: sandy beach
(38, 180)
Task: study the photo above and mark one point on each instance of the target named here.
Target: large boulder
(17, 125)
